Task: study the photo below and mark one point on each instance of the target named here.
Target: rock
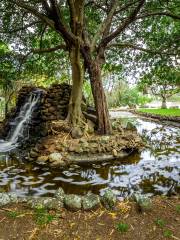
(34, 154)
(90, 126)
(78, 149)
(114, 152)
(42, 159)
(104, 139)
(130, 126)
(73, 202)
(55, 157)
(144, 203)
(6, 198)
(59, 194)
(109, 199)
(90, 201)
(13, 197)
(45, 202)
(76, 133)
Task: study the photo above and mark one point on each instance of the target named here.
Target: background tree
(8, 75)
(163, 81)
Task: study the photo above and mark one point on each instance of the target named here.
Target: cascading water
(20, 123)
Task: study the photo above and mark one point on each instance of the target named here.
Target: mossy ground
(126, 222)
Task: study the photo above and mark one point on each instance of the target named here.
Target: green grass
(162, 112)
(160, 222)
(42, 217)
(13, 214)
(168, 233)
(178, 208)
(122, 227)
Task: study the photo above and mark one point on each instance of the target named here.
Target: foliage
(122, 227)
(162, 80)
(178, 208)
(42, 217)
(160, 222)
(163, 112)
(168, 233)
(125, 96)
(13, 214)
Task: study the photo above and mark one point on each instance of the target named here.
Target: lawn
(163, 112)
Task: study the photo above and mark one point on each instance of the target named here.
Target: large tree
(89, 30)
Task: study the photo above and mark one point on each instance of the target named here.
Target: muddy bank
(125, 222)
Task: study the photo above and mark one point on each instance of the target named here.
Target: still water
(156, 170)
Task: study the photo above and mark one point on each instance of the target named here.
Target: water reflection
(155, 171)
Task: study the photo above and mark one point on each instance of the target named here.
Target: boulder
(109, 199)
(59, 194)
(6, 198)
(144, 203)
(45, 202)
(90, 201)
(72, 202)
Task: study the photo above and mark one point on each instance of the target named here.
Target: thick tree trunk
(75, 113)
(164, 104)
(104, 126)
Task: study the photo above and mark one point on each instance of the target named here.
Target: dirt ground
(126, 222)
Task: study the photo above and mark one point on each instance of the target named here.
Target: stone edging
(156, 116)
(60, 200)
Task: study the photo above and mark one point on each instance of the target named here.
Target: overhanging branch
(177, 17)
(123, 26)
(48, 50)
(135, 47)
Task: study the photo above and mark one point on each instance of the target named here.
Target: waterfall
(20, 123)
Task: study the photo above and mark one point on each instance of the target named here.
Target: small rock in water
(109, 199)
(90, 201)
(59, 194)
(73, 202)
(144, 203)
(130, 126)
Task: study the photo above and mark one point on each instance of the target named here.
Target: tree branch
(129, 45)
(21, 28)
(33, 11)
(104, 25)
(48, 50)
(123, 26)
(60, 26)
(177, 17)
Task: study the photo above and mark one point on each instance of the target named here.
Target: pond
(156, 170)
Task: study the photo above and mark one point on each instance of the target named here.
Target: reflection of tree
(161, 139)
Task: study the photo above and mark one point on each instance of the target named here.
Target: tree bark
(75, 113)
(164, 104)
(94, 69)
